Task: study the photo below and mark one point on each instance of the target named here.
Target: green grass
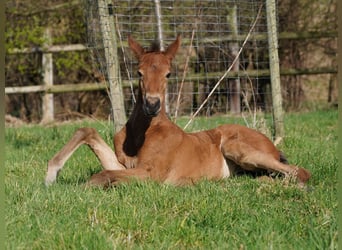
(237, 213)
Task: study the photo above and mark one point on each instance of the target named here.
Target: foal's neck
(137, 125)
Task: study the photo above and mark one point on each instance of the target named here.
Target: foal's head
(154, 69)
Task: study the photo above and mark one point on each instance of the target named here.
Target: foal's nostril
(152, 105)
(153, 102)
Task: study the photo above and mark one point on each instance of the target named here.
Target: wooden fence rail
(64, 88)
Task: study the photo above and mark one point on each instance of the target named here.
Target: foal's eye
(139, 74)
(168, 75)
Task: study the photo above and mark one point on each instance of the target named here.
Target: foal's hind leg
(251, 159)
(90, 137)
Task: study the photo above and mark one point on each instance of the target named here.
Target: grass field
(237, 213)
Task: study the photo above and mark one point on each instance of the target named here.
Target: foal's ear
(136, 48)
(173, 47)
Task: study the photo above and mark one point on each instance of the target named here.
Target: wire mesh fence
(212, 32)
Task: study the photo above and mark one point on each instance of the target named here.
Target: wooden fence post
(234, 85)
(112, 63)
(47, 100)
(278, 116)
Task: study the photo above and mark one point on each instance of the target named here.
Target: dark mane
(155, 46)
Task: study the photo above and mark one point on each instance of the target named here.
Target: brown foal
(150, 146)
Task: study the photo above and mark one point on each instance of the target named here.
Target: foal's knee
(86, 133)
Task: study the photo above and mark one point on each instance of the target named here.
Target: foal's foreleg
(90, 137)
(123, 158)
(108, 178)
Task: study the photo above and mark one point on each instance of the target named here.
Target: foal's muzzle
(151, 106)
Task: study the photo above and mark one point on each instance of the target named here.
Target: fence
(219, 28)
(213, 33)
(64, 88)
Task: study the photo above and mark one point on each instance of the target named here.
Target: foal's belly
(175, 157)
(194, 167)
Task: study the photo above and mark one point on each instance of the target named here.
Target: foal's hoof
(303, 175)
(51, 177)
